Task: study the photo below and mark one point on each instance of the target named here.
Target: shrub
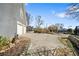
(70, 31)
(53, 29)
(44, 30)
(50, 29)
(41, 30)
(37, 30)
(3, 42)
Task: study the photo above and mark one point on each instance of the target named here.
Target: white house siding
(21, 28)
(21, 23)
(9, 15)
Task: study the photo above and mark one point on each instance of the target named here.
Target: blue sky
(51, 13)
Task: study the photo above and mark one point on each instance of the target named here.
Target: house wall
(21, 23)
(9, 15)
(8, 19)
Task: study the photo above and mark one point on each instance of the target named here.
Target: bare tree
(29, 21)
(39, 22)
(73, 11)
(59, 26)
(29, 18)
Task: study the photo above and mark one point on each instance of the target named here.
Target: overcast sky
(51, 13)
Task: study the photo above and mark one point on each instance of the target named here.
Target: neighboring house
(12, 19)
(29, 28)
(76, 31)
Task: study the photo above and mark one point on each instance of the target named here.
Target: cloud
(59, 15)
(62, 15)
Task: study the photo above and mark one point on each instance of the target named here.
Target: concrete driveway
(44, 40)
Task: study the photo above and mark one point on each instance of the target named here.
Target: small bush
(3, 42)
(52, 29)
(37, 30)
(70, 31)
(44, 30)
(40, 30)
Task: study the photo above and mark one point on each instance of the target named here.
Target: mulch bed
(16, 48)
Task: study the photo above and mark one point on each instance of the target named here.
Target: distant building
(76, 31)
(12, 19)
